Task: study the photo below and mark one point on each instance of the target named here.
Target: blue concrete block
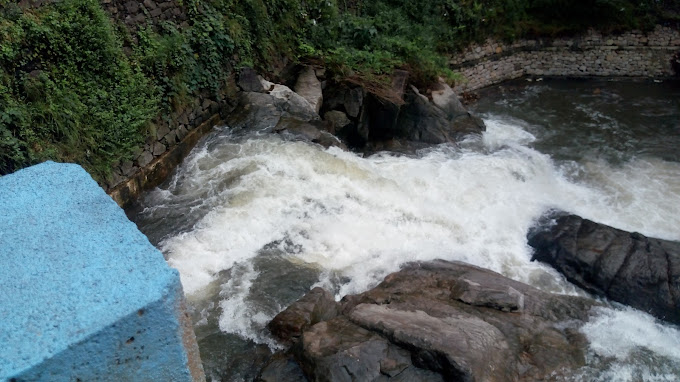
(83, 294)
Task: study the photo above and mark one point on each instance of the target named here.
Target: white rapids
(358, 219)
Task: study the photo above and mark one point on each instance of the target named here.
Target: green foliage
(67, 91)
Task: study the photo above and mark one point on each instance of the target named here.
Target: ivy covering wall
(78, 86)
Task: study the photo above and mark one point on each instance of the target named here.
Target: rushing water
(252, 221)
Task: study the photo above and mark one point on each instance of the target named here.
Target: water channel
(252, 221)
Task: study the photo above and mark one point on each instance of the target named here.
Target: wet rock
(294, 103)
(256, 111)
(301, 130)
(338, 350)
(626, 267)
(281, 368)
(423, 121)
(447, 100)
(454, 344)
(345, 98)
(462, 122)
(310, 131)
(309, 87)
(317, 305)
(437, 321)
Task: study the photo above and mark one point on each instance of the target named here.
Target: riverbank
(112, 84)
(629, 54)
(593, 55)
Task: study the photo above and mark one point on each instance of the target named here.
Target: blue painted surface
(83, 294)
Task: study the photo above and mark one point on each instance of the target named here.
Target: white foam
(617, 333)
(362, 218)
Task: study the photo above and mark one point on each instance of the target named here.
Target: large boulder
(439, 321)
(309, 88)
(262, 112)
(627, 267)
(443, 121)
(294, 103)
(398, 117)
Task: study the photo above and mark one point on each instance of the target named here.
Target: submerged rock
(437, 321)
(626, 267)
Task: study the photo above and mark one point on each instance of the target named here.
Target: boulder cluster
(440, 320)
(398, 118)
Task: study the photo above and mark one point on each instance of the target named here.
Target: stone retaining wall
(170, 129)
(631, 54)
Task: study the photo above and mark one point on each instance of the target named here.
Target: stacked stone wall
(631, 54)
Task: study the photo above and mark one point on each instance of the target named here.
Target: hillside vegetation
(75, 86)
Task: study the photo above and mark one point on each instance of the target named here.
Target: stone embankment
(631, 54)
(403, 120)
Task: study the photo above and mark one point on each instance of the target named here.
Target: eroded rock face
(626, 267)
(437, 321)
(309, 87)
(403, 122)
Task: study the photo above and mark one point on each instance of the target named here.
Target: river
(252, 221)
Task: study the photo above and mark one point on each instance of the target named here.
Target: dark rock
(380, 113)
(400, 119)
(310, 131)
(182, 132)
(207, 103)
(337, 120)
(338, 350)
(281, 368)
(170, 138)
(249, 81)
(440, 321)
(128, 168)
(379, 118)
(132, 6)
(184, 118)
(300, 130)
(256, 111)
(422, 121)
(317, 305)
(344, 98)
(626, 267)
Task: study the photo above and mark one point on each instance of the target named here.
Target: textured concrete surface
(84, 295)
